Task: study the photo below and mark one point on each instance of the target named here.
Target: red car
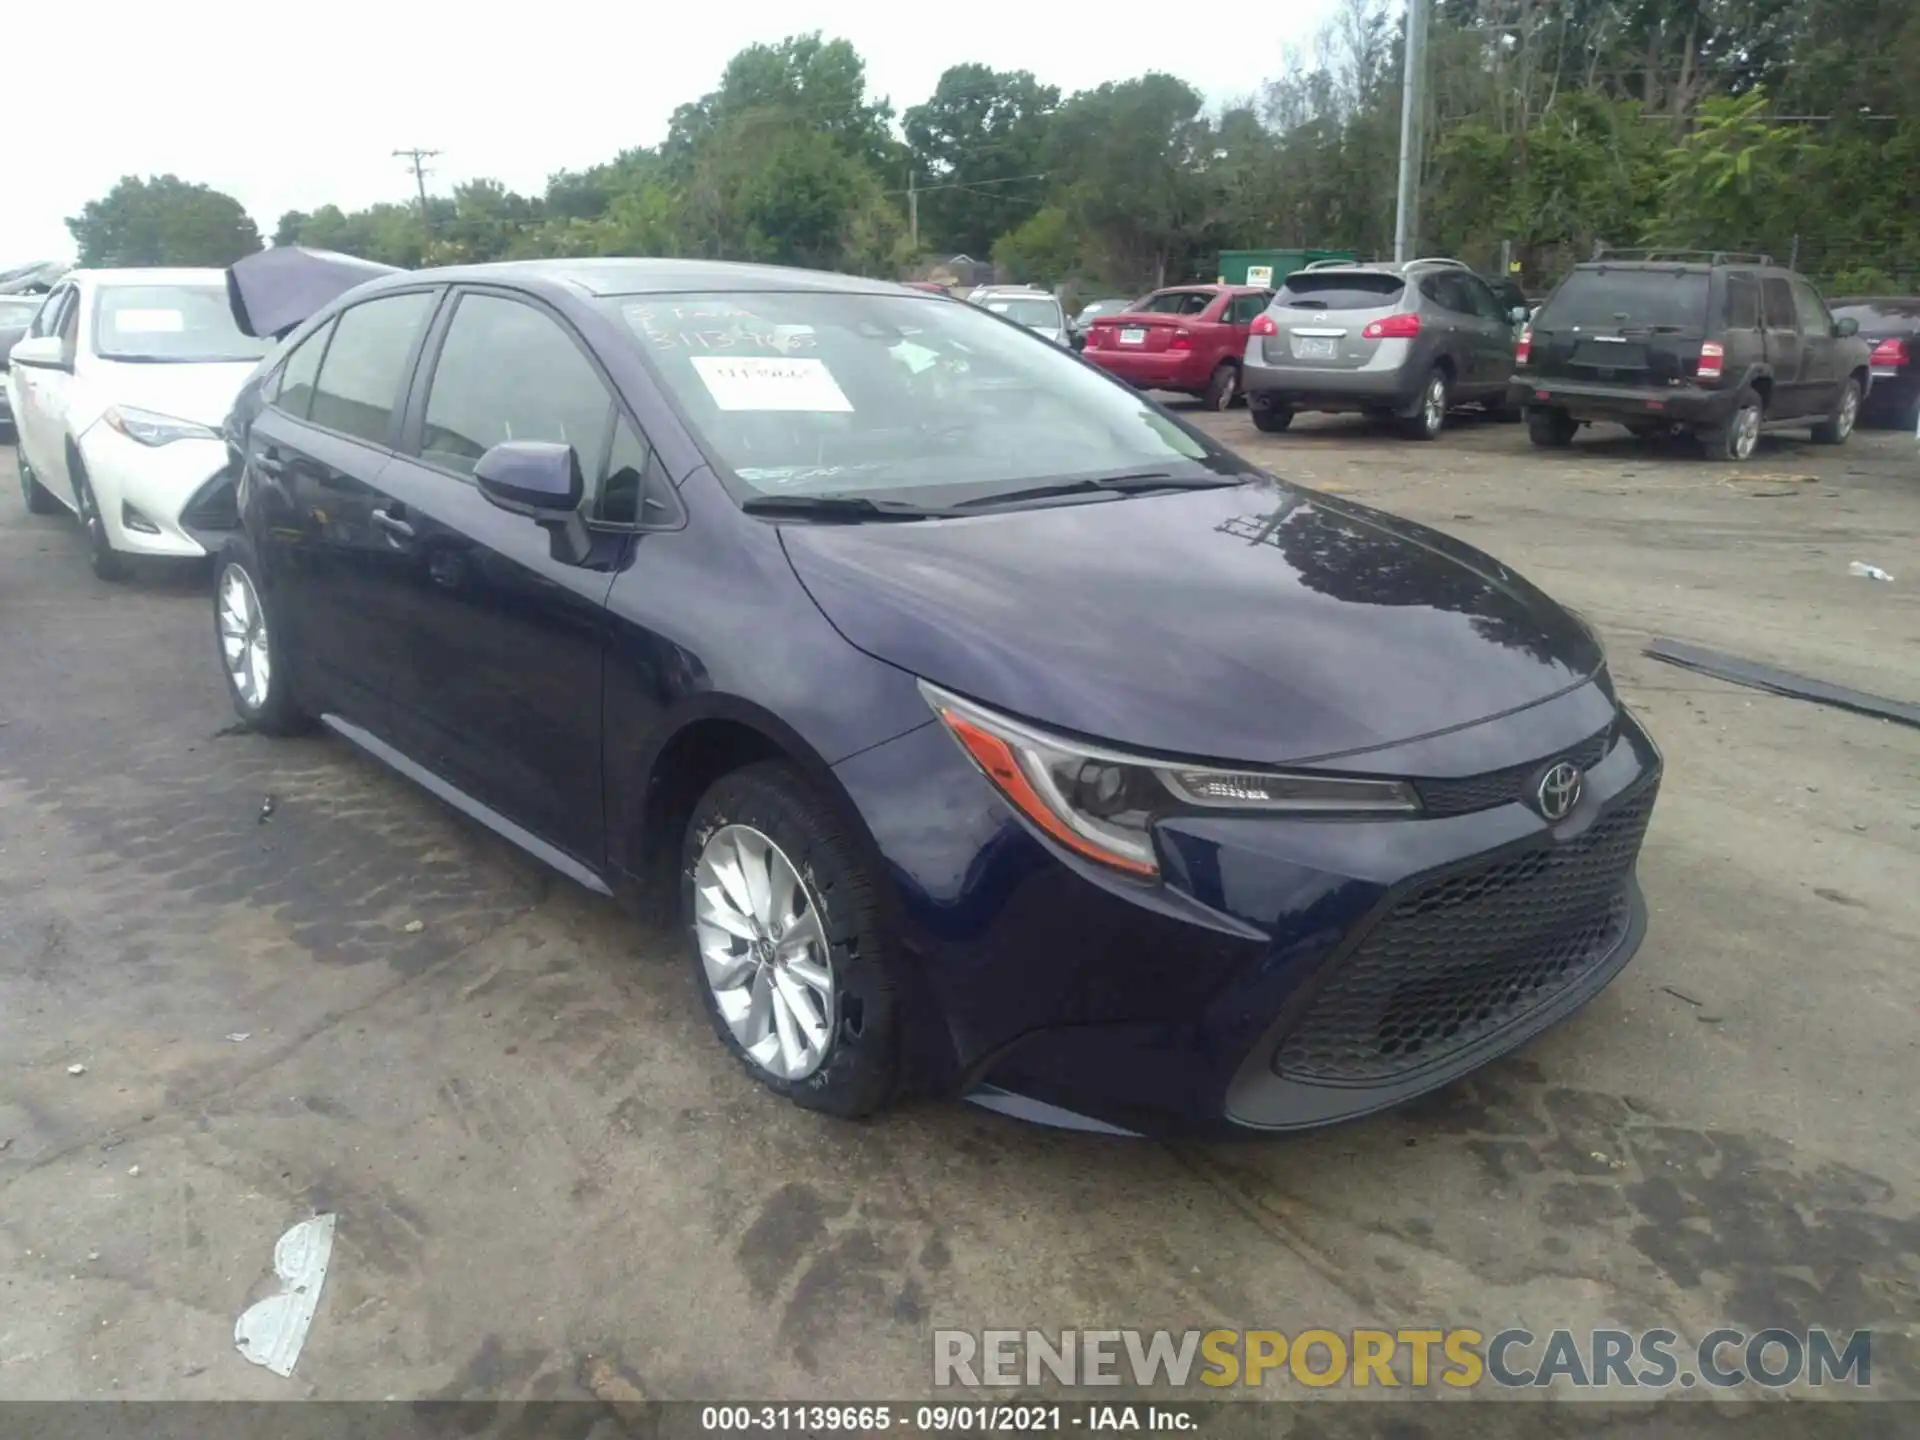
(1187, 337)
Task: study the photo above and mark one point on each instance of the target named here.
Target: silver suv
(1038, 310)
(1404, 343)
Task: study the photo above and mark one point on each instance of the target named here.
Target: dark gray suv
(1404, 343)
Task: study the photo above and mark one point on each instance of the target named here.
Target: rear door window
(1246, 308)
(1628, 299)
(1341, 290)
(365, 370)
(1778, 296)
(1743, 302)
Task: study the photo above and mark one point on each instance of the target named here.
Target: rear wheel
(1223, 386)
(792, 953)
(1430, 419)
(39, 499)
(1835, 429)
(108, 563)
(1740, 436)
(1551, 429)
(1272, 417)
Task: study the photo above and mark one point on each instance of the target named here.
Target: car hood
(1260, 623)
(203, 392)
(273, 291)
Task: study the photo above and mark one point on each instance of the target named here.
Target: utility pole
(913, 209)
(1413, 87)
(418, 158)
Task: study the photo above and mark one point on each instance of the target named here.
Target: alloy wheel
(243, 638)
(1849, 412)
(1434, 412)
(764, 952)
(1746, 432)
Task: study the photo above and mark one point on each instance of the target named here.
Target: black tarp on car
(272, 291)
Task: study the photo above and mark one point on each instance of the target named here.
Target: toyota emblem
(1559, 791)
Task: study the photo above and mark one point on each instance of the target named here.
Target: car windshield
(1615, 299)
(176, 323)
(804, 392)
(1023, 310)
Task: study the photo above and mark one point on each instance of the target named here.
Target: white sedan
(118, 390)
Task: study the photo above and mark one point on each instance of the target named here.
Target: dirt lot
(547, 1174)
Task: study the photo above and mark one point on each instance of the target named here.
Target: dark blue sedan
(989, 730)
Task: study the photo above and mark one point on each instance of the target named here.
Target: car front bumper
(155, 499)
(1284, 972)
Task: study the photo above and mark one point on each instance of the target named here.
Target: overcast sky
(243, 98)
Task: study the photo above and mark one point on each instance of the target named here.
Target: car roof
(652, 277)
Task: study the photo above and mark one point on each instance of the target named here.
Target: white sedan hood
(199, 391)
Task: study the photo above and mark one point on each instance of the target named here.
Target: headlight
(146, 428)
(1103, 803)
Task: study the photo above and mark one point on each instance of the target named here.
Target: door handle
(268, 463)
(393, 524)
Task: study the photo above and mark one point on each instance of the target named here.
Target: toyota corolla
(988, 729)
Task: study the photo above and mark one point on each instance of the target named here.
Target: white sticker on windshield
(749, 382)
(148, 322)
(999, 307)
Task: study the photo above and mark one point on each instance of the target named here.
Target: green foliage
(1734, 174)
(1044, 250)
(163, 220)
(979, 141)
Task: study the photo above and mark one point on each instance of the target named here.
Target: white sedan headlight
(144, 427)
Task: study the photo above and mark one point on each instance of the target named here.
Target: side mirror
(1846, 329)
(540, 478)
(46, 351)
(1519, 315)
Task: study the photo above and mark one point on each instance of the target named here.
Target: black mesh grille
(213, 506)
(1502, 787)
(1465, 954)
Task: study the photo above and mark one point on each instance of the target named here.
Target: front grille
(214, 505)
(1466, 954)
(1502, 787)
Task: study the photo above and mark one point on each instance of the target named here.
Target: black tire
(108, 563)
(1835, 429)
(1436, 398)
(1737, 440)
(861, 1070)
(1272, 418)
(278, 712)
(39, 499)
(1223, 386)
(1551, 429)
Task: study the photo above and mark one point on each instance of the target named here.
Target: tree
(802, 81)
(163, 220)
(1044, 250)
(979, 141)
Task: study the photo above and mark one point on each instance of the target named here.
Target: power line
(418, 158)
(917, 189)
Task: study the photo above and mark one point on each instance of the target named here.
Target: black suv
(1723, 346)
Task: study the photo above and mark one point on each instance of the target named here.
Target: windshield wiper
(838, 507)
(1143, 482)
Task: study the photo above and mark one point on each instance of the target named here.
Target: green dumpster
(1270, 267)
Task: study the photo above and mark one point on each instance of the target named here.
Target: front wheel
(108, 563)
(1430, 419)
(1223, 386)
(1835, 429)
(253, 650)
(39, 500)
(792, 953)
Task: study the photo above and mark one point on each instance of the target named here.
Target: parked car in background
(118, 391)
(1038, 310)
(1403, 343)
(1720, 345)
(1083, 321)
(1890, 325)
(1186, 338)
(16, 314)
(870, 659)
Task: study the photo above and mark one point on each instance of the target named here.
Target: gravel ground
(551, 1182)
